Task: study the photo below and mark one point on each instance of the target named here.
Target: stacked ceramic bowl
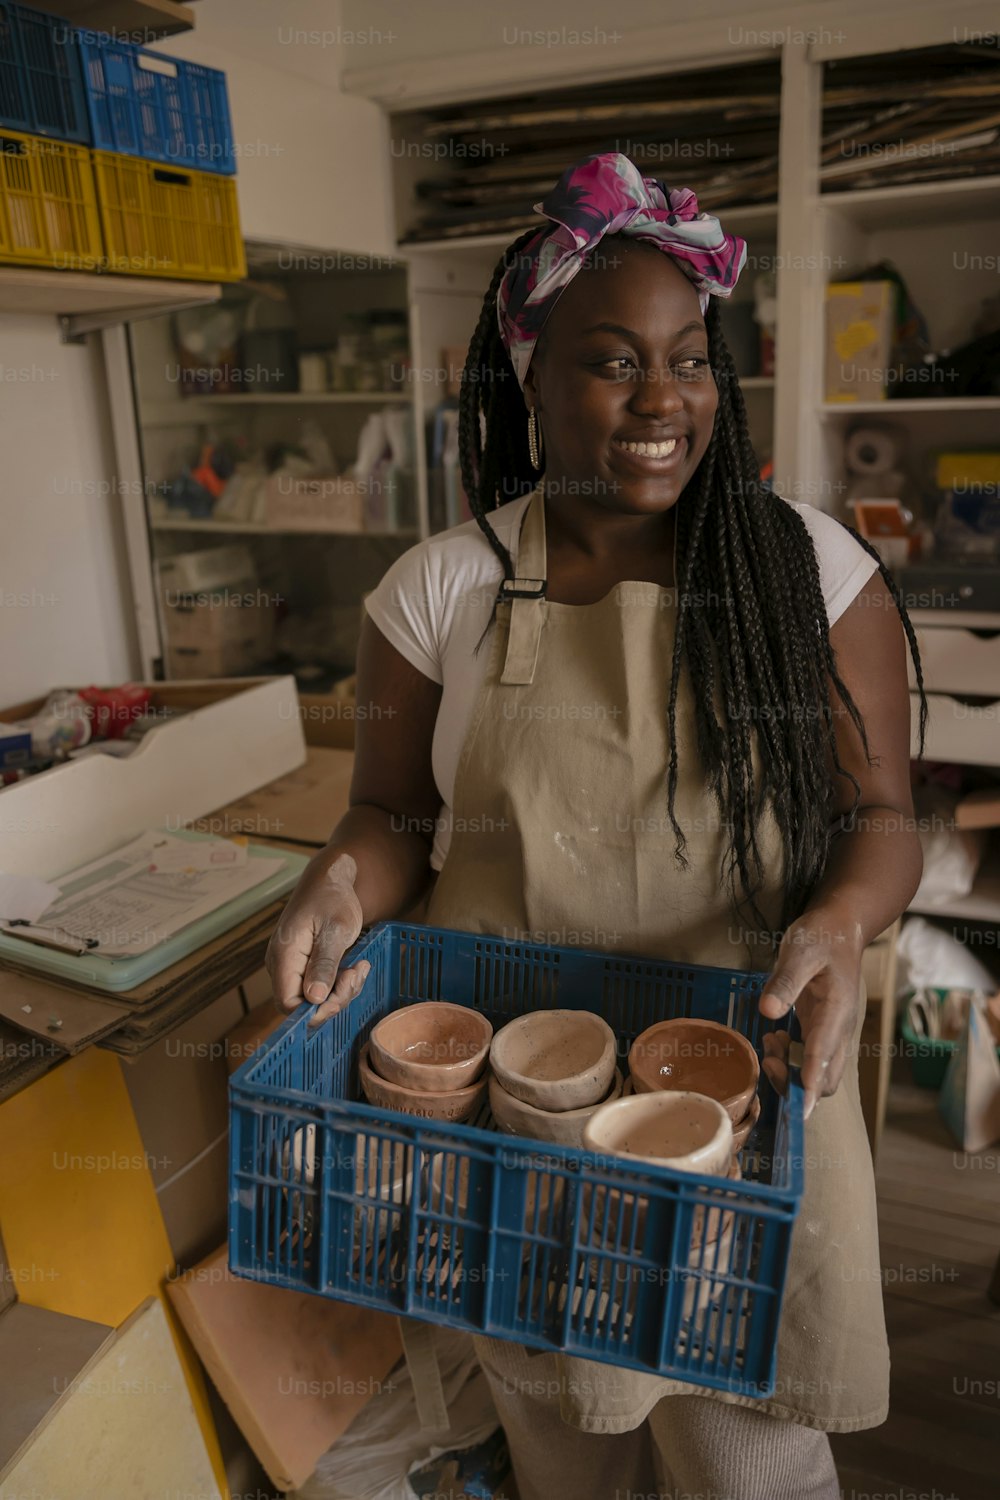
(700, 1057)
(428, 1060)
(551, 1070)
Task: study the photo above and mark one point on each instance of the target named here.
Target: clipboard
(123, 972)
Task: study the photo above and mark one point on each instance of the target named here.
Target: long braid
(751, 634)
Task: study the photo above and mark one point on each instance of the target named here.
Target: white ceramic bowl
(555, 1059)
(688, 1132)
(564, 1127)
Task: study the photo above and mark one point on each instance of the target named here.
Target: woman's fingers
(287, 959)
(348, 986)
(800, 959)
(775, 1061)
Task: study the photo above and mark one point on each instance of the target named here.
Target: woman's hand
(818, 970)
(315, 930)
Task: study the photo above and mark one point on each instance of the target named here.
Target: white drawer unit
(959, 661)
(966, 733)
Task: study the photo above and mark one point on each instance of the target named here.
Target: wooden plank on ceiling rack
(139, 20)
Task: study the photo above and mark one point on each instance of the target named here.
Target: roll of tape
(873, 450)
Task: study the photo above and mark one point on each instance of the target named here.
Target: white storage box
(233, 737)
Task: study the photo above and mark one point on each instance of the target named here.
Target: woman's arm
(377, 861)
(875, 863)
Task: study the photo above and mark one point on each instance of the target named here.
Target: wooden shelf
(146, 19)
(85, 300)
(982, 904)
(761, 217)
(918, 203)
(900, 408)
(199, 409)
(250, 528)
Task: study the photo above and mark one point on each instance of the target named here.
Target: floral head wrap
(603, 195)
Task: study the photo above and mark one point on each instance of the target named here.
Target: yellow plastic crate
(160, 221)
(48, 206)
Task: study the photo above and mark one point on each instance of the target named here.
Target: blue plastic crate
(41, 75)
(161, 108)
(457, 1224)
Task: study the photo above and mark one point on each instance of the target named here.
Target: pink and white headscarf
(604, 195)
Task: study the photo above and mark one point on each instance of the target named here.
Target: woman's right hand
(315, 930)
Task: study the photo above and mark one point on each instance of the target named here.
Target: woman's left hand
(818, 970)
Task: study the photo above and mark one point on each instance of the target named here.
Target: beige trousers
(689, 1448)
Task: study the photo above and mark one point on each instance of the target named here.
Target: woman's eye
(693, 367)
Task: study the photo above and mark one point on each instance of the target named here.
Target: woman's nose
(657, 391)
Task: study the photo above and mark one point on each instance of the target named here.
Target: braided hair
(746, 639)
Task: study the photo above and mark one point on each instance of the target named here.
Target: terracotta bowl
(741, 1131)
(698, 1057)
(686, 1131)
(433, 1047)
(555, 1059)
(564, 1127)
(457, 1105)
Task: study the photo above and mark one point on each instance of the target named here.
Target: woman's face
(622, 363)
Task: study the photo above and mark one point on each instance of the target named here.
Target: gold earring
(534, 439)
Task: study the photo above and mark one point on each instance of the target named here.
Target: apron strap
(525, 594)
(425, 1372)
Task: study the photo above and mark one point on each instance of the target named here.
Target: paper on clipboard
(136, 897)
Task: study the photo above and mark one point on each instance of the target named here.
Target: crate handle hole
(161, 175)
(12, 148)
(157, 65)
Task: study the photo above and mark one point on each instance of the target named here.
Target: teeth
(650, 450)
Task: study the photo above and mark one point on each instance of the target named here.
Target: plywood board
(302, 807)
(294, 1369)
(49, 1352)
(126, 1426)
(81, 1223)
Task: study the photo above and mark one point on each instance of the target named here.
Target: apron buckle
(518, 588)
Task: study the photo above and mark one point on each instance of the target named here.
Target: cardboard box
(233, 737)
(860, 331)
(209, 568)
(330, 502)
(234, 658)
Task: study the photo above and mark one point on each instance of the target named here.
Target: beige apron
(561, 835)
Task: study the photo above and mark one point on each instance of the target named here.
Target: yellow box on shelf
(48, 205)
(968, 468)
(161, 221)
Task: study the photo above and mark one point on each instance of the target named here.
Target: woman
(680, 728)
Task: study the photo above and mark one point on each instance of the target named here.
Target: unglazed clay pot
(555, 1059)
(564, 1127)
(457, 1105)
(741, 1131)
(433, 1047)
(686, 1131)
(699, 1057)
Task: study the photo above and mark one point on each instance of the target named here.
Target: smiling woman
(722, 801)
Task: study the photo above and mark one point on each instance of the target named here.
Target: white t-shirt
(434, 603)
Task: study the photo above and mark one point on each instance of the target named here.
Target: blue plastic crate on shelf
(554, 1247)
(41, 75)
(161, 108)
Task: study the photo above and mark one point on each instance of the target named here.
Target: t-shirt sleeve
(844, 565)
(403, 606)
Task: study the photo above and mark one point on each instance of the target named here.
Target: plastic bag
(929, 958)
(371, 1460)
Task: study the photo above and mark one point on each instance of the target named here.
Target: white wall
(65, 611)
(313, 169)
(312, 163)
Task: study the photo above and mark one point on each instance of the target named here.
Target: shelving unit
(249, 528)
(84, 301)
